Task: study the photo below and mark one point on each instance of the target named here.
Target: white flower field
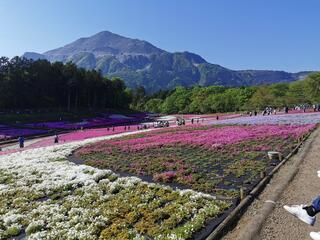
(44, 196)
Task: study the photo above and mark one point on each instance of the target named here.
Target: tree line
(27, 84)
(214, 99)
(40, 84)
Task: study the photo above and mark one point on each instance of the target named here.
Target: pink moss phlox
(165, 176)
(213, 137)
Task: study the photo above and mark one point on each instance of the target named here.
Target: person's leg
(305, 213)
(316, 204)
(314, 209)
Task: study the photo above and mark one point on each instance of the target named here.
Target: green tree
(261, 98)
(153, 105)
(178, 101)
(298, 93)
(39, 84)
(313, 83)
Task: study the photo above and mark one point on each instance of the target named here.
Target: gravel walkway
(305, 185)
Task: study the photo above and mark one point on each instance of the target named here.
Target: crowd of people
(304, 107)
(271, 110)
(316, 107)
(198, 120)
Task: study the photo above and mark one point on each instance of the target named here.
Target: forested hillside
(222, 99)
(38, 84)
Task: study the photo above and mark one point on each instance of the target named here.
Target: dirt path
(279, 224)
(27, 143)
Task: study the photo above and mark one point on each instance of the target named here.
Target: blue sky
(238, 34)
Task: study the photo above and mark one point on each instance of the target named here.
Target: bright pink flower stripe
(75, 136)
(85, 134)
(213, 137)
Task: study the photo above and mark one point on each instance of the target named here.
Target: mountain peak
(105, 43)
(106, 34)
(140, 63)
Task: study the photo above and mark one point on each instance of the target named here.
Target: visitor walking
(307, 214)
(56, 139)
(264, 112)
(286, 110)
(21, 142)
(192, 121)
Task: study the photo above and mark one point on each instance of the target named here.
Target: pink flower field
(85, 134)
(213, 159)
(75, 136)
(211, 137)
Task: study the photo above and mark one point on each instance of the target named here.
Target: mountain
(140, 63)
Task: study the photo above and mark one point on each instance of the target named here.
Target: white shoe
(315, 235)
(299, 212)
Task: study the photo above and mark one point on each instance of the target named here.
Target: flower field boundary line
(228, 223)
(88, 141)
(41, 135)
